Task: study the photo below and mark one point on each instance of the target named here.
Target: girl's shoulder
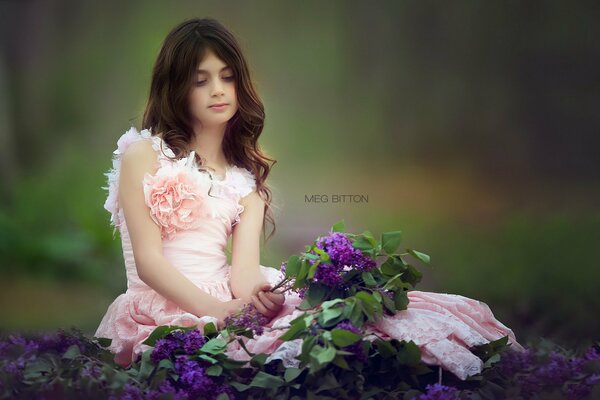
(133, 135)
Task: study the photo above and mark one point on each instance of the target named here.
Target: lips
(218, 105)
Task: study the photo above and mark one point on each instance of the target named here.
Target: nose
(217, 88)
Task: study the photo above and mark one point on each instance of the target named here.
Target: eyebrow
(203, 71)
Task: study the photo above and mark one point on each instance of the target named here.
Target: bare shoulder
(252, 200)
(140, 152)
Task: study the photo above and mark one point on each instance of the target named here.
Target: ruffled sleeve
(243, 183)
(112, 199)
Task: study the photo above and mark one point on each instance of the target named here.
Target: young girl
(193, 177)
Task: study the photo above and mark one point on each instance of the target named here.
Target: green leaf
(408, 354)
(208, 358)
(400, 300)
(259, 360)
(37, 368)
(330, 314)
(412, 275)
(385, 348)
(421, 256)
(304, 267)
(492, 360)
(331, 303)
(103, 342)
(315, 294)
(214, 370)
(210, 329)
(393, 266)
(72, 352)
(390, 241)
(343, 337)
(293, 266)
(160, 332)
(291, 373)
(313, 269)
(323, 355)
(146, 366)
(239, 386)
(340, 361)
(339, 226)
(166, 364)
(294, 331)
(214, 346)
(362, 243)
(368, 278)
(264, 380)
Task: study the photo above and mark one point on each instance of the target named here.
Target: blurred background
(472, 127)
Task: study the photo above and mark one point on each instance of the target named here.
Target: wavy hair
(167, 114)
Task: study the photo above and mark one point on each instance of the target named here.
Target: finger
(259, 305)
(266, 300)
(266, 287)
(277, 298)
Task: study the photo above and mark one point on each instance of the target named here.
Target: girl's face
(215, 84)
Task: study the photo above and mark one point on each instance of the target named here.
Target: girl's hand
(268, 303)
(226, 309)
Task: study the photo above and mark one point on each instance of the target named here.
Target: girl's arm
(152, 267)
(246, 278)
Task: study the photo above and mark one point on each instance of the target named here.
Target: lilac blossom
(248, 318)
(341, 252)
(342, 257)
(194, 381)
(188, 342)
(439, 392)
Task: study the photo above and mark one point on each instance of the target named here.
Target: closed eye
(226, 78)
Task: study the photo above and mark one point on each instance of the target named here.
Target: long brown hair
(167, 113)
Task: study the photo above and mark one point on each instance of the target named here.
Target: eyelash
(227, 78)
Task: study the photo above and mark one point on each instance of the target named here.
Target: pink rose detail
(177, 198)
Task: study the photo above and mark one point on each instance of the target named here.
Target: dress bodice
(194, 211)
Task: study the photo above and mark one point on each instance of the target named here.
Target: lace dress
(195, 227)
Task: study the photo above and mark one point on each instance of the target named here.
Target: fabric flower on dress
(177, 198)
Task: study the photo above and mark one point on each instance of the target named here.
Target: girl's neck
(208, 143)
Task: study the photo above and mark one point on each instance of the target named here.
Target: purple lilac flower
(248, 318)
(193, 380)
(557, 370)
(192, 341)
(439, 392)
(131, 392)
(328, 274)
(59, 342)
(512, 362)
(166, 387)
(341, 252)
(593, 379)
(355, 347)
(576, 391)
(189, 342)
(592, 354)
(163, 349)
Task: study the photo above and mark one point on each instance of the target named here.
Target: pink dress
(195, 228)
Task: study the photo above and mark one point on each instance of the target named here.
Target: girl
(179, 187)
(194, 176)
